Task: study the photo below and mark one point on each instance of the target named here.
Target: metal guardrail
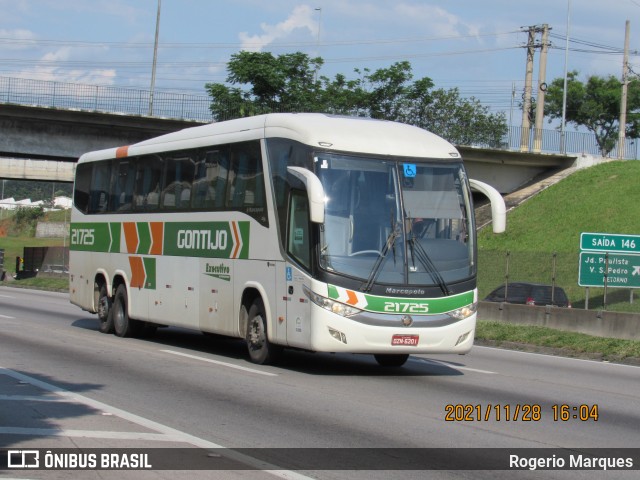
(558, 270)
(96, 98)
(107, 99)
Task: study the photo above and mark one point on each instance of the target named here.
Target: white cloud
(16, 39)
(45, 69)
(437, 20)
(302, 17)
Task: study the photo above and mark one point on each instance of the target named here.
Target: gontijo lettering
(202, 239)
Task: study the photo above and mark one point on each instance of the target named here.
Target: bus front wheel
(261, 350)
(122, 324)
(105, 312)
(391, 359)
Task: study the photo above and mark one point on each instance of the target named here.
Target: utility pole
(319, 10)
(563, 125)
(623, 97)
(526, 106)
(542, 88)
(155, 59)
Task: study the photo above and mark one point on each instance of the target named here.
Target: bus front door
(298, 308)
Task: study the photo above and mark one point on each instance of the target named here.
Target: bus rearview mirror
(315, 192)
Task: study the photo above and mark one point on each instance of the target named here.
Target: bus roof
(329, 132)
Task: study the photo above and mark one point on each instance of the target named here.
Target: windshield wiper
(389, 244)
(417, 251)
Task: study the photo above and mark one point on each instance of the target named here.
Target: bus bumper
(334, 333)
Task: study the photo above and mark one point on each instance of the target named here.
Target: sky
(476, 46)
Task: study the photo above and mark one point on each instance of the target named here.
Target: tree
(461, 120)
(283, 83)
(290, 83)
(595, 105)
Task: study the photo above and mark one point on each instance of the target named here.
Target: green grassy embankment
(604, 199)
(14, 236)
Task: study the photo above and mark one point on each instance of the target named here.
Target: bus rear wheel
(105, 312)
(391, 359)
(261, 350)
(122, 324)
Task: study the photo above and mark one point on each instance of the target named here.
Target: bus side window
(187, 172)
(122, 190)
(148, 178)
(210, 179)
(246, 180)
(82, 186)
(100, 186)
(298, 244)
(219, 179)
(178, 180)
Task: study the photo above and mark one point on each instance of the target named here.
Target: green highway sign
(621, 270)
(610, 242)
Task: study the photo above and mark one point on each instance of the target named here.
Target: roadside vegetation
(556, 342)
(599, 199)
(17, 230)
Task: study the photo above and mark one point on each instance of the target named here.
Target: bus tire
(105, 310)
(122, 324)
(261, 350)
(391, 359)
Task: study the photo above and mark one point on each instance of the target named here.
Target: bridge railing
(129, 101)
(97, 98)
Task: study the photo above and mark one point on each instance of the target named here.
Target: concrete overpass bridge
(39, 143)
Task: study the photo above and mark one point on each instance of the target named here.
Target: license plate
(405, 340)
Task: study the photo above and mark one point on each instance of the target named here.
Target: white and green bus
(309, 231)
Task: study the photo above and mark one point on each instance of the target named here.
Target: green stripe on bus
(184, 239)
(144, 238)
(90, 237)
(116, 230)
(243, 227)
(380, 304)
(150, 272)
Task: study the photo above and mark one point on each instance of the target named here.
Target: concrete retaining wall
(591, 322)
(52, 230)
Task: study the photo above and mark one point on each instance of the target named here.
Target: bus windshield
(396, 222)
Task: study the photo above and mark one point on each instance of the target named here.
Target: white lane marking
(7, 296)
(601, 362)
(176, 435)
(7, 317)
(224, 364)
(454, 365)
(29, 398)
(60, 432)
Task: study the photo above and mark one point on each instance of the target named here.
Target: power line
(236, 45)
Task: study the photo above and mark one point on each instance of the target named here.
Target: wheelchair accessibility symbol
(410, 170)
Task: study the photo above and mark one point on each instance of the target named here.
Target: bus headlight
(331, 305)
(464, 312)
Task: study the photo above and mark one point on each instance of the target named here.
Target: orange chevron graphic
(137, 272)
(157, 235)
(353, 299)
(130, 236)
